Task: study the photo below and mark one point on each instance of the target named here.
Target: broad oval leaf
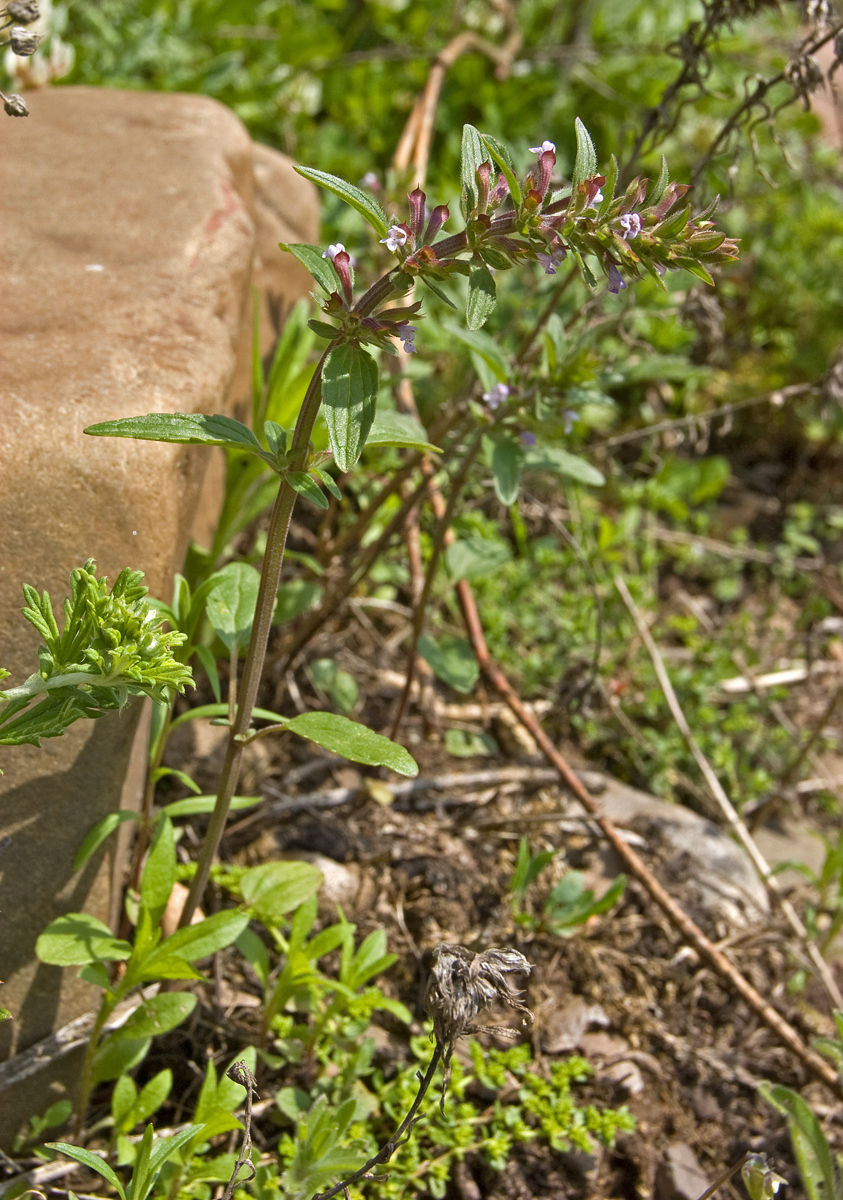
(157, 1015)
(98, 833)
(452, 660)
(359, 200)
(349, 401)
(506, 468)
(76, 939)
(114, 1057)
(275, 888)
(195, 429)
(231, 604)
(585, 166)
(399, 429)
(551, 458)
(319, 267)
(482, 297)
(353, 741)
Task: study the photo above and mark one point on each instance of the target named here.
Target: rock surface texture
(130, 224)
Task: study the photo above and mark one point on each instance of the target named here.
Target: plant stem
(86, 1084)
(282, 511)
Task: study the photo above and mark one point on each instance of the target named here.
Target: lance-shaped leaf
(155, 1016)
(319, 267)
(585, 166)
(551, 458)
(472, 155)
(231, 604)
(502, 158)
(359, 200)
(195, 429)
(482, 297)
(484, 346)
(349, 401)
(506, 467)
(302, 483)
(353, 741)
(92, 1161)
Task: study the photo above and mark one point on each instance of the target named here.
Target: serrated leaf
(195, 429)
(585, 165)
(482, 297)
(98, 833)
(452, 660)
(92, 1161)
(551, 458)
(231, 605)
(311, 258)
(302, 483)
(76, 939)
(359, 200)
(353, 741)
(349, 401)
(399, 429)
(502, 158)
(507, 457)
(472, 154)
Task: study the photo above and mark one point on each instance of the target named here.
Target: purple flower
(616, 283)
(395, 237)
(631, 225)
(528, 439)
(371, 181)
(333, 250)
(543, 148)
(407, 334)
(496, 396)
(569, 416)
(551, 261)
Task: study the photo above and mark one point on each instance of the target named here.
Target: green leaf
(501, 156)
(204, 938)
(476, 558)
(231, 605)
(159, 874)
(482, 297)
(255, 952)
(194, 429)
(399, 429)
(339, 685)
(353, 741)
(205, 656)
(585, 166)
(76, 939)
(158, 1015)
(294, 598)
(275, 888)
(181, 776)
(98, 833)
(571, 466)
(319, 267)
(205, 804)
(92, 1161)
(659, 186)
(506, 469)
(151, 1097)
(473, 153)
(359, 200)
(115, 1056)
(816, 1166)
(302, 483)
(349, 401)
(463, 743)
(452, 660)
(484, 345)
(163, 1150)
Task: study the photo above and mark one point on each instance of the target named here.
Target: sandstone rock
(128, 233)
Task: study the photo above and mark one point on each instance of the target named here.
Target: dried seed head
(24, 12)
(22, 41)
(14, 105)
(463, 983)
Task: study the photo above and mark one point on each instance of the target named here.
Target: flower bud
(484, 174)
(15, 105)
(438, 218)
(22, 41)
(342, 266)
(23, 11)
(760, 1180)
(547, 161)
(417, 199)
(499, 192)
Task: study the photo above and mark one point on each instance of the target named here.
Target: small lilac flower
(569, 417)
(551, 261)
(333, 250)
(528, 439)
(543, 148)
(496, 396)
(598, 199)
(407, 334)
(371, 181)
(395, 237)
(616, 283)
(631, 225)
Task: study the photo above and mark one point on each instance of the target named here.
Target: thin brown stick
(724, 803)
(241, 1074)
(783, 1030)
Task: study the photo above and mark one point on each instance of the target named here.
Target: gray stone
(679, 1176)
(129, 227)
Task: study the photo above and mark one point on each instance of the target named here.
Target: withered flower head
(463, 983)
